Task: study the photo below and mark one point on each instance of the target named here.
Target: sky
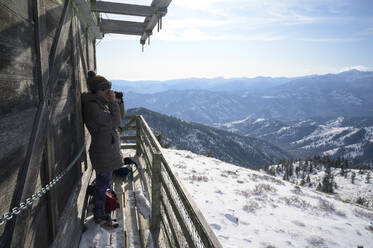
(244, 38)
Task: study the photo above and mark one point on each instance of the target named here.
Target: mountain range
(328, 114)
(209, 101)
(351, 138)
(205, 140)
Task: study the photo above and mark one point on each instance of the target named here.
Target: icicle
(142, 47)
(148, 39)
(160, 22)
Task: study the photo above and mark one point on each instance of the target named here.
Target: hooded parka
(103, 120)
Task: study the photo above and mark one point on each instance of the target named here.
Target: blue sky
(244, 38)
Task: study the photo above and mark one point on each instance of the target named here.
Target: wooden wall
(45, 53)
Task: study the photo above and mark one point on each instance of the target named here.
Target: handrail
(181, 220)
(29, 201)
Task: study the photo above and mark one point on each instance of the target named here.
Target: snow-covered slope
(247, 208)
(201, 139)
(348, 185)
(350, 138)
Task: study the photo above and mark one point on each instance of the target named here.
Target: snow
(369, 134)
(259, 120)
(246, 208)
(96, 236)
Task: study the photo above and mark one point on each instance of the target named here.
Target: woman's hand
(110, 96)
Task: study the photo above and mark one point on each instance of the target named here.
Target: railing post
(156, 198)
(138, 136)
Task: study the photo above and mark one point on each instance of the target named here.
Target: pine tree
(353, 175)
(367, 179)
(318, 187)
(302, 182)
(210, 154)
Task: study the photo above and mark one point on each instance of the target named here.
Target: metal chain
(29, 201)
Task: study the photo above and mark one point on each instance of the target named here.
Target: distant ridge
(201, 139)
(208, 101)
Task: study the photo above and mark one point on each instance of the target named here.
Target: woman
(102, 116)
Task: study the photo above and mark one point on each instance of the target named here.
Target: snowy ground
(345, 190)
(95, 236)
(246, 208)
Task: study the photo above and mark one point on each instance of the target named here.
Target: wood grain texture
(122, 8)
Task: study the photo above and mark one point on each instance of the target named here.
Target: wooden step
(132, 235)
(128, 146)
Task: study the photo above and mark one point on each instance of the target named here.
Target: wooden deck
(157, 210)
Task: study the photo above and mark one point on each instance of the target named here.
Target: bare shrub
(363, 213)
(297, 190)
(296, 201)
(198, 178)
(272, 179)
(329, 207)
(361, 201)
(316, 241)
(263, 188)
(229, 173)
(298, 223)
(326, 206)
(251, 206)
(370, 228)
(244, 193)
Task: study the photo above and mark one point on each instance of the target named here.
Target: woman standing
(102, 116)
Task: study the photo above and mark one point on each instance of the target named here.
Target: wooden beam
(50, 174)
(122, 27)
(153, 20)
(128, 146)
(86, 17)
(128, 137)
(122, 8)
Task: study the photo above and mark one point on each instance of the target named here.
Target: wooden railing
(175, 220)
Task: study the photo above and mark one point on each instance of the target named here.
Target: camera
(118, 94)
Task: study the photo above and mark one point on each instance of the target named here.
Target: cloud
(331, 40)
(357, 67)
(366, 32)
(196, 23)
(195, 34)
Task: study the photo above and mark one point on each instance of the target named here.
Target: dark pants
(103, 180)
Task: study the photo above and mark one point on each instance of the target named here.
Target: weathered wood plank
(122, 27)
(205, 233)
(153, 20)
(56, 56)
(176, 212)
(70, 221)
(128, 137)
(87, 18)
(119, 191)
(132, 233)
(156, 198)
(128, 146)
(171, 226)
(122, 8)
(50, 174)
(144, 225)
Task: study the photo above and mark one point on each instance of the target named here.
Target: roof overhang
(153, 15)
